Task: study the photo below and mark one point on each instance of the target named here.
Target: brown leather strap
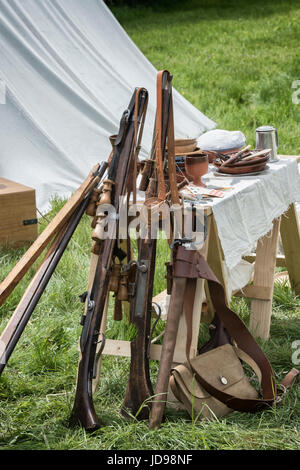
(250, 405)
(138, 132)
(178, 287)
(190, 264)
(158, 137)
(188, 305)
(164, 114)
(137, 139)
(171, 156)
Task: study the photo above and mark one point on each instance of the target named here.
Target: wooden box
(18, 221)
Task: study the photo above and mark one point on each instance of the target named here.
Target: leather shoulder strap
(158, 136)
(190, 264)
(171, 155)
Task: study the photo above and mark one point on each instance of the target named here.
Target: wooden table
(265, 260)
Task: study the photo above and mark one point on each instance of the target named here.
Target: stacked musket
(114, 270)
(118, 183)
(112, 267)
(96, 196)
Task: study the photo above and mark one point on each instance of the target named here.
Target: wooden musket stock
(137, 401)
(83, 412)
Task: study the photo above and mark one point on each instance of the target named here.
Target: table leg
(264, 269)
(215, 258)
(290, 236)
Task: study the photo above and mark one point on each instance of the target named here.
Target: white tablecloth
(245, 213)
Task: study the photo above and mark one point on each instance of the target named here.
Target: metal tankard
(267, 138)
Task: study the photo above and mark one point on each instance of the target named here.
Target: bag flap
(186, 380)
(220, 367)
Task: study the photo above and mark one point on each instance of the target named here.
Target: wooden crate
(18, 220)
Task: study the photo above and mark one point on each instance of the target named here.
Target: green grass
(37, 387)
(236, 62)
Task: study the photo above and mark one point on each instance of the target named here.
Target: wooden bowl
(251, 163)
(242, 163)
(241, 170)
(185, 145)
(254, 161)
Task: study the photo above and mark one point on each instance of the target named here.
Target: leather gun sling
(137, 139)
(176, 301)
(171, 156)
(161, 135)
(191, 266)
(170, 141)
(161, 108)
(158, 136)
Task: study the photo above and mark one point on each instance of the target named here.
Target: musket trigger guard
(98, 354)
(140, 266)
(127, 266)
(102, 340)
(154, 325)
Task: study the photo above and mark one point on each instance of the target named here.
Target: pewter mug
(267, 138)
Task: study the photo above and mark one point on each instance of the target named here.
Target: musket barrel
(44, 276)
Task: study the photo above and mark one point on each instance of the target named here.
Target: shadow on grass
(210, 10)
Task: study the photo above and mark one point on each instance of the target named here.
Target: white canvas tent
(67, 72)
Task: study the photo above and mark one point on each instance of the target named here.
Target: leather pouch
(222, 368)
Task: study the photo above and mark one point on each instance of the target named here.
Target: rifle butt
(83, 415)
(139, 388)
(118, 312)
(83, 412)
